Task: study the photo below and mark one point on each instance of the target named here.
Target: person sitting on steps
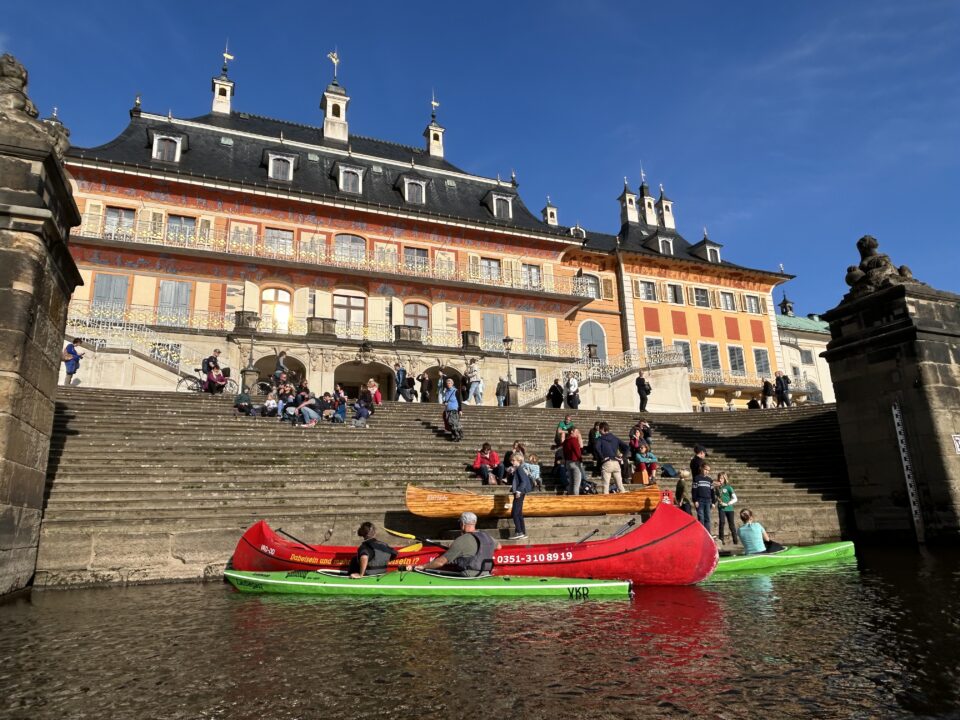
(532, 467)
(373, 556)
(487, 465)
(469, 552)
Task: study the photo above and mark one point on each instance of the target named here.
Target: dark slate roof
(243, 162)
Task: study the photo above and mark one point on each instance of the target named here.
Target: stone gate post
(37, 277)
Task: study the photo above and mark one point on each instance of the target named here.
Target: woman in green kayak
(754, 536)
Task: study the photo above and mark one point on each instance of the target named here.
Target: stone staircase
(149, 486)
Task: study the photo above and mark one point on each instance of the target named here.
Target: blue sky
(789, 130)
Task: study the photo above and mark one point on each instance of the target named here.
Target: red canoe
(671, 548)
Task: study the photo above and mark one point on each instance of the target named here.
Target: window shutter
(637, 289)
(92, 218)
(446, 263)
(691, 299)
(546, 277)
(715, 298)
(301, 303)
(154, 227)
(662, 292)
(607, 288)
(763, 305)
(473, 266)
(386, 256)
(205, 231)
(511, 272)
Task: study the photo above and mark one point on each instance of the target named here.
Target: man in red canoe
(469, 552)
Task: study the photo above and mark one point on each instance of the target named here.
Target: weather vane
(335, 59)
(782, 271)
(226, 54)
(643, 175)
(434, 104)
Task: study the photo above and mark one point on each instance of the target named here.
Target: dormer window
(713, 254)
(351, 180)
(502, 207)
(415, 191)
(578, 232)
(280, 167)
(166, 148)
(666, 246)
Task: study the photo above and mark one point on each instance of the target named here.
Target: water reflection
(878, 640)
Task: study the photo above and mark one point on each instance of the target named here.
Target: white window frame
(671, 298)
(491, 269)
(291, 160)
(746, 304)
(599, 294)
(688, 356)
(644, 285)
(743, 360)
(713, 254)
(509, 200)
(407, 183)
(531, 276)
(766, 354)
(706, 297)
(156, 147)
(350, 169)
(668, 243)
(813, 360)
(724, 297)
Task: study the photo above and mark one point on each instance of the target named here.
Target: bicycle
(195, 384)
(265, 387)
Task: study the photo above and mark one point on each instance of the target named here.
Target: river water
(875, 638)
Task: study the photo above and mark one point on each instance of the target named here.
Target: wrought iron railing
(536, 348)
(249, 244)
(101, 332)
(174, 317)
(740, 381)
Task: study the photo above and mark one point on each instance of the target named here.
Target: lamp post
(512, 393)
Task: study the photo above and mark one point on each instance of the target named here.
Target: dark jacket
(401, 376)
(521, 481)
(767, 388)
(608, 445)
(696, 463)
(502, 389)
(643, 387)
(702, 489)
(555, 394)
(783, 385)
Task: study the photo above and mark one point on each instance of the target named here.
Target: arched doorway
(591, 333)
(353, 375)
(434, 385)
(268, 363)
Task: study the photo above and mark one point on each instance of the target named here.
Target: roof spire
(705, 236)
(513, 176)
(434, 104)
(226, 56)
(643, 175)
(137, 101)
(335, 59)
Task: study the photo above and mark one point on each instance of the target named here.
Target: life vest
(486, 546)
(379, 554)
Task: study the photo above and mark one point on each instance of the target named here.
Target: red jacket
(492, 461)
(572, 452)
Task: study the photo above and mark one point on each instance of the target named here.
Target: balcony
(727, 382)
(250, 245)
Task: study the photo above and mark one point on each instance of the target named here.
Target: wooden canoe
(430, 502)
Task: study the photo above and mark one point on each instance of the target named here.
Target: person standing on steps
(573, 458)
(71, 356)
(703, 496)
(782, 386)
(424, 381)
(473, 382)
(400, 377)
(502, 390)
(726, 499)
(609, 449)
(643, 390)
(573, 392)
(519, 488)
(555, 394)
(451, 410)
(698, 460)
(766, 393)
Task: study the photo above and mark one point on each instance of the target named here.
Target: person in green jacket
(726, 499)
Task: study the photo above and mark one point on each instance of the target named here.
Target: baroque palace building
(253, 235)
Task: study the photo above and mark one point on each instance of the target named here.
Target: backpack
(647, 388)
(65, 356)
(669, 470)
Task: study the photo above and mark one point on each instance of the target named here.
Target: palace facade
(252, 235)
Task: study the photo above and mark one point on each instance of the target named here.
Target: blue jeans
(500, 399)
(484, 471)
(576, 473)
(309, 414)
(703, 514)
(517, 515)
(474, 393)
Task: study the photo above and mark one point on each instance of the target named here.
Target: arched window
(275, 310)
(280, 168)
(350, 248)
(591, 333)
(336, 111)
(166, 150)
(416, 314)
(501, 207)
(592, 285)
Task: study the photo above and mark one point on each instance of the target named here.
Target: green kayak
(795, 555)
(423, 584)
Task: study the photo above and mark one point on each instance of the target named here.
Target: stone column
(896, 341)
(37, 277)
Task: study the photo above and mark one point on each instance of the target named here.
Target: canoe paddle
(623, 528)
(587, 536)
(408, 536)
(326, 536)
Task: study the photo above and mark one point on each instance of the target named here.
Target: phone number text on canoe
(534, 557)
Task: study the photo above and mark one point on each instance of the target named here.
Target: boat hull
(430, 502)
(791, 556)
(418, 584)
(671, 548)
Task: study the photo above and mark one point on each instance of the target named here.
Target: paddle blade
(416, 547)
(408, 536)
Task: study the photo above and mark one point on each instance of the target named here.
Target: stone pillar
(37, 277)
(896, 341)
